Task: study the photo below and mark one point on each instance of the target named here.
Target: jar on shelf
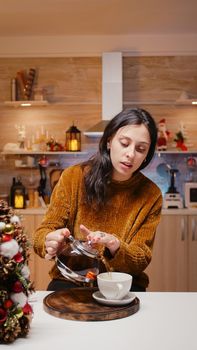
(73, 139)
(13, 90)
(38, 94)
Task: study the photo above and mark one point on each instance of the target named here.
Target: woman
(109, 201)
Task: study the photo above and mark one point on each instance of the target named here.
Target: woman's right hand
(54, 240)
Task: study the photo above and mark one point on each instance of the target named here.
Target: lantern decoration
(73, 139)
(18, 194)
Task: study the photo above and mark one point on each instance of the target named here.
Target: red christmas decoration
(162, 136)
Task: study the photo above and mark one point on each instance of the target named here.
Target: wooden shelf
(189, 102)
(149, 102)
(176, 152)
(24, 153)
(42, 153)
(26, 103)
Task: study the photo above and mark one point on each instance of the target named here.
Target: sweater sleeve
(135, 253)
(59, 211)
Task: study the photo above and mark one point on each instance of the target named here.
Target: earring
(108, 146)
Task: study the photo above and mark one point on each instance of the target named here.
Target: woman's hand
(54, 240)
(107, 239)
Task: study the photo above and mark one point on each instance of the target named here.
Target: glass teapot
(78, 261)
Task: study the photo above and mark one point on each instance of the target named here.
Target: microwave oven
(191, 194)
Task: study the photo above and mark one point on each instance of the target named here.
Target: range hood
(111, 91)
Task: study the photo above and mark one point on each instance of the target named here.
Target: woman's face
(128, 149)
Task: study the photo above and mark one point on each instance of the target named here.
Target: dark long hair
(100, 165)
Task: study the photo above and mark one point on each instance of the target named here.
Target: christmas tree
(15, 285)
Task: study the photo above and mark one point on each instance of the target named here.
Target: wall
(94, 45)
(162, 80)
(73, 88)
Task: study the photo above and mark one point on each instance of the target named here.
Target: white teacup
(114, 285)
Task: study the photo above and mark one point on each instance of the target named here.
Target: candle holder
(73, 139)
(18, 195)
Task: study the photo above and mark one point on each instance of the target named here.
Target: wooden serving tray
(78, 304)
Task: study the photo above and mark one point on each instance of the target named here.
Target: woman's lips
(126, 165)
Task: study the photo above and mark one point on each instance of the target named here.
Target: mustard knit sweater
(132, 215)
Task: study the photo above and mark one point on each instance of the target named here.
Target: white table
(165, 321)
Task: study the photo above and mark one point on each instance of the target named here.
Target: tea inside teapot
(78, 261)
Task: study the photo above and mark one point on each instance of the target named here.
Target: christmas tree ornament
(15, 285)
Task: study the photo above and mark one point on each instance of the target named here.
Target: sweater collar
(133, 180)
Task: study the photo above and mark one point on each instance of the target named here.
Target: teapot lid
(85, 247)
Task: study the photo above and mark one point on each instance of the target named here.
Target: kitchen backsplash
(158, 170)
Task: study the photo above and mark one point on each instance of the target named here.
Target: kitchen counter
(184, 211)
(164, 321)
(31, 211)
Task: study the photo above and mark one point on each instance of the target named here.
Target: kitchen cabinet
(174, 263)
(192, 256)
(39, 268)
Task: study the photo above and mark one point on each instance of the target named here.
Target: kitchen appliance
(173, 201)
(191, 194)
(42, 163)
(112, 91)
(78, 262)
(172, 198)
(191, 173)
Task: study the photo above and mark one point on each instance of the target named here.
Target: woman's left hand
(107, 239)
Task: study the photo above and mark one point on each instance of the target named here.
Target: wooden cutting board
(78, 304)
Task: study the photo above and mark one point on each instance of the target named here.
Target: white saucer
(101, 299)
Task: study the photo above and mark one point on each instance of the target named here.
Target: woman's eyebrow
(129, 139)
